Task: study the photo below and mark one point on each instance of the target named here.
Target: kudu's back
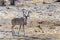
(18, 21)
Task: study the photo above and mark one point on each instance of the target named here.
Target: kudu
(20, 21)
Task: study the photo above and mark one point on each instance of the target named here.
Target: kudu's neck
(26, 18)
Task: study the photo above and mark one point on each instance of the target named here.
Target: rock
(49, 1)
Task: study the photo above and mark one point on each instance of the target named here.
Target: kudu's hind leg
(13, 30)
(12, 27)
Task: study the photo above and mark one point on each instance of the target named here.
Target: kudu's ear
(23, 10)
(28, 13)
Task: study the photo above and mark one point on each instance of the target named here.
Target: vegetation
(39, 27)
(51, 27)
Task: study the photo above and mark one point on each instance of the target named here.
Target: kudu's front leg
(19, 29)
(23, 28)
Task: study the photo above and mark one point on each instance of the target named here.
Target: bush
(51, 27)
(39, 27)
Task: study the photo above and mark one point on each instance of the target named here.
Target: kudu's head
(25, 16)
